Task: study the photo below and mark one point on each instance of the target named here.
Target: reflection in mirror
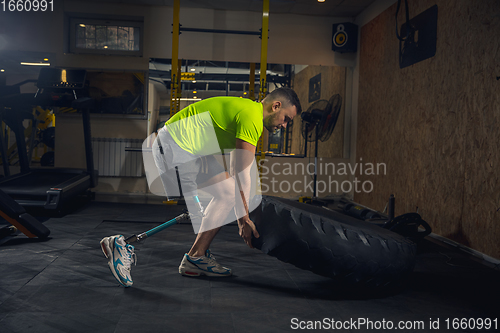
(19, 70)
(202, 79)
(117, 92)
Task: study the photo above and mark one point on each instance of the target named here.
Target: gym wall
(292, 37)
(283, 172)
(435, 123)
(333, 81)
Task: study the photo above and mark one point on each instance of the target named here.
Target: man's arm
(244, 156)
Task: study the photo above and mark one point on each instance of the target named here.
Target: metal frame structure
(175, 93)
(263, 67)
(175, 87)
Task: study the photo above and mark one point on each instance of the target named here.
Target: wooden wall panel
(332, 82)
(436, 123)
(482, 185)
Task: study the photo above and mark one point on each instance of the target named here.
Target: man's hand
(247, 228)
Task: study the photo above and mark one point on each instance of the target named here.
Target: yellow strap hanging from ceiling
(263, 69)
(174, 75)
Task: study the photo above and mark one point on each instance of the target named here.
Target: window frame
(74, 21)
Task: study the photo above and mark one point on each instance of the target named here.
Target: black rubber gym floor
(64, 284)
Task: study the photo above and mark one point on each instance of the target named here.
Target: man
(188, 141)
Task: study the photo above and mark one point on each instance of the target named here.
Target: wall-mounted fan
(320, 118)
(318, 123)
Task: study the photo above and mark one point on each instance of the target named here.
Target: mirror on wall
(117, 92)
(203, 79)
(214, 78)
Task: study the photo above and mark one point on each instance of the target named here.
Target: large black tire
(331, 244)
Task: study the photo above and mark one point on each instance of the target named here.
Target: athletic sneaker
(206, 265)
(120, 256)
(107, 245)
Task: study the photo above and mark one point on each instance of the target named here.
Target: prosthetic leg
(120, 252)
(183, 217)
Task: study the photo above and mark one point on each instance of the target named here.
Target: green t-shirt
(213, 124)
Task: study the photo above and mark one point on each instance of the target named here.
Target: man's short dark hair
(287, 96)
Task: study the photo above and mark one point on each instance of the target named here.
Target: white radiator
(112, 159)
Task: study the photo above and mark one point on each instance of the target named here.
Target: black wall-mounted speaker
(345, 37)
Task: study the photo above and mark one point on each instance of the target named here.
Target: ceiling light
(46, 59)
(35, 63)
(2, 70)
(192, 69)
(82, 25)
(321, 0)
(189, 99)
(105, 46)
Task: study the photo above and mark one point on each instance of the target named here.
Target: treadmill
(49, 188)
